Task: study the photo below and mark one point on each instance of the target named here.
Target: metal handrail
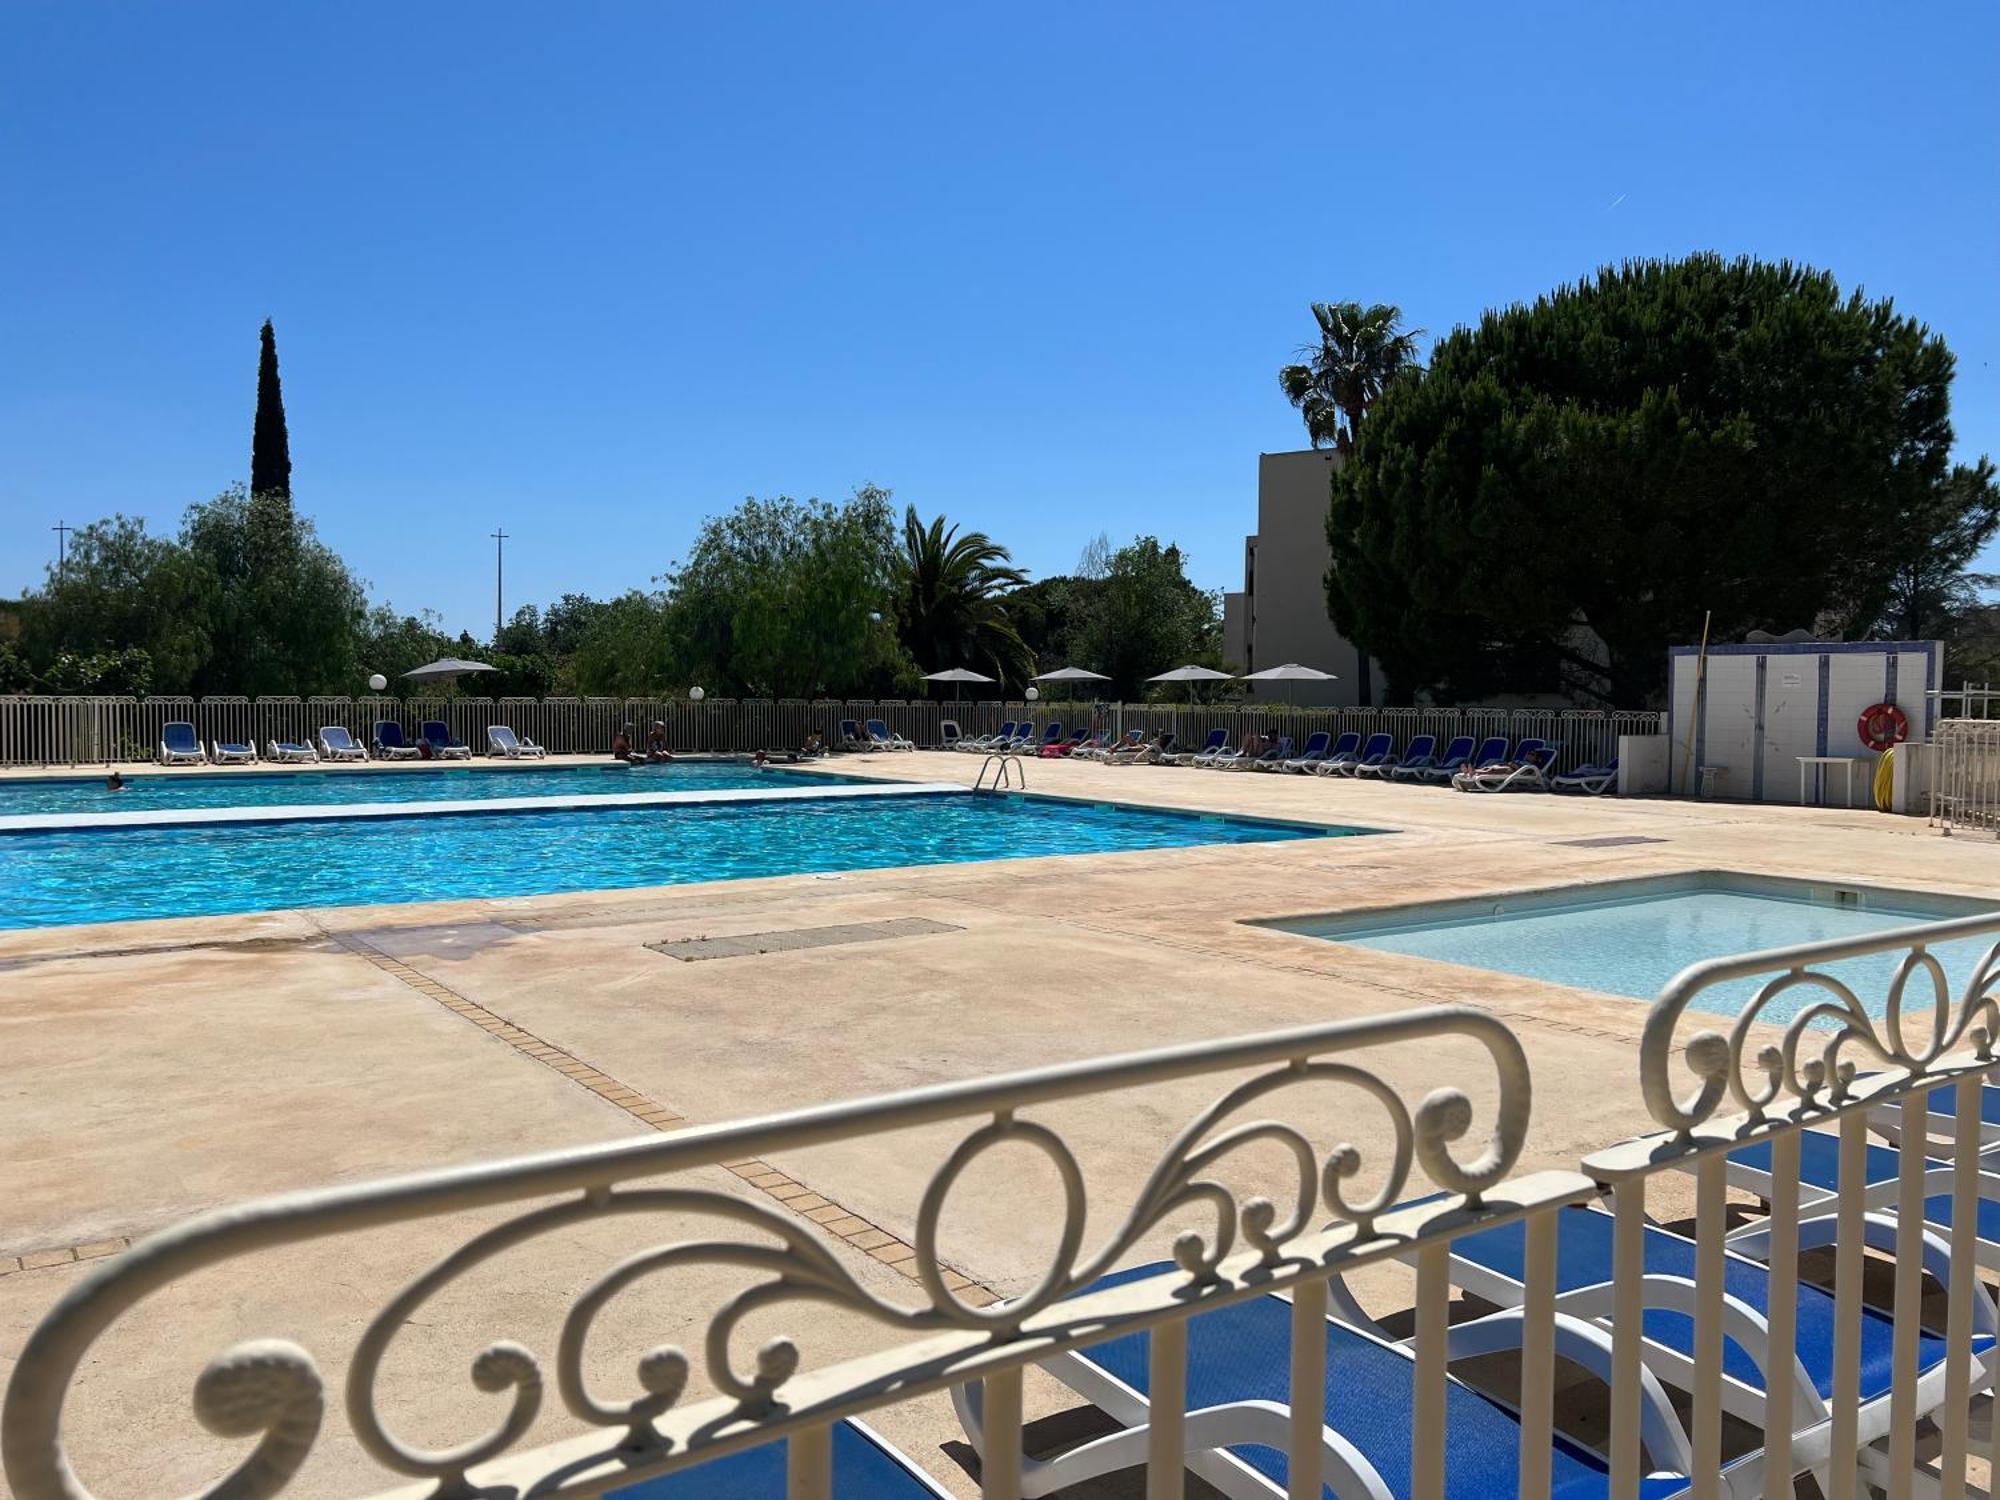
(1003, 777)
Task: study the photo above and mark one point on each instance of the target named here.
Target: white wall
(1761, 707)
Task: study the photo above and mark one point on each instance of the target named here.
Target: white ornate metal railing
(1834, 1063)
(1965, 776)
(95, 731)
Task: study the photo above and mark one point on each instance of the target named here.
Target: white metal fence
(97, 731)
(1965, 776)
(1727, 1316)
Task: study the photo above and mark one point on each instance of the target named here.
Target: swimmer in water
(114, 783)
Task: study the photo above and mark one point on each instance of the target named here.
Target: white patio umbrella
(1190, 675)
(1070, 674)
(955, 676)
(1290, 672)
(444, 669)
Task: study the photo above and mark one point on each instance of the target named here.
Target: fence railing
(1965, 776)
(1570, 1279)
(97, 731)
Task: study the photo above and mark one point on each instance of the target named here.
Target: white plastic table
(1846, 762)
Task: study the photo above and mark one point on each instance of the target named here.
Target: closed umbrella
(1291, 672)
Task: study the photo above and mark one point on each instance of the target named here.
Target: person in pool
(621, 747)
(657, 752)
(114, 783)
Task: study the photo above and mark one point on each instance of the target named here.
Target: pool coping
(1380, 921)
(339, 812)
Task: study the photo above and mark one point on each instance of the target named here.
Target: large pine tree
(270, 447)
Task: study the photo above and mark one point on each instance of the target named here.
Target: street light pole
(499, 559)
(62, 532)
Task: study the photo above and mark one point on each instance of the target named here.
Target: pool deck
(152, 1070)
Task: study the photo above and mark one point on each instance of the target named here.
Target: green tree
(123, 589)
(625, 649)
(284, 614)
(789, 599)
(1359, 352)
(1572, 484)
(270, 445)
(1147, 617)
(949, 609)
(1930, 591)
(392, 644)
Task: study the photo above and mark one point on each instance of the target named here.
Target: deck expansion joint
(787, 940)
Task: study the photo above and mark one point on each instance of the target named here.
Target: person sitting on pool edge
(657, 752)
(621, 748)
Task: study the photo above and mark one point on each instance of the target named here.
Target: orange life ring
(1882, 726)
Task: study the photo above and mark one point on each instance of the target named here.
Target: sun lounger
(1271, 758)
(291, 752)
(1378, 756)
(986, 744)
(1488, 1263)
(179, 745)
(1314, 753)
(1593, 781)
(1439, 767)
(1057, 749)
(444, 744)
(1141, 751)
(232, 753)
(1749, 1168)
(1238, 1407)
(1345, 752)
(335, 743)
(948, 736)
(865, 1465)
(1492, 752)
(502, 741)
(880, 737)
(1133, 739)
(1527, 771)
(1216, 748)
(1418, 753)
(389, 741)
(851, 737)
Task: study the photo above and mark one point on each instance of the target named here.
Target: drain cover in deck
(1609, 841)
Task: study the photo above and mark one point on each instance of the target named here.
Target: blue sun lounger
(1527, 770)
(444, 744)
(232, 753)
(1418, 755)
(1749, 1168)
(1314, 753)
(1441, 768)
(1492, 751)
(1488, 1263)
(988, 743)
(335, 743)
(1215, 744)
(1273, 757)
(389, 741)
(291, 752)
(1345, 752)
(1378, 757)
(1238, 1407)
(865, 1465)
(180, 746)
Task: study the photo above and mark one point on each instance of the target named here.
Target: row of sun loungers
(181, 746)
(1237, 1424)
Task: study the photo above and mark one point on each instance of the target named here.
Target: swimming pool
(148, 791)
(108, 875)
(1630, 937)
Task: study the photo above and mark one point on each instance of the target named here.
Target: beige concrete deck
(151, 1070)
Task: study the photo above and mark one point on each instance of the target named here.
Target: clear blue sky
(596, 271)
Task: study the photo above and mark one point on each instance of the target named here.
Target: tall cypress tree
(270, 448)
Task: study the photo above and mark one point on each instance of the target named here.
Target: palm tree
(949, 610)
(1360, 350)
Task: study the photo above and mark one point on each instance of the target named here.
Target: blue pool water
(111, 875)
(1633, 946)
(148, 790)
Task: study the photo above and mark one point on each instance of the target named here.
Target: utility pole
(499, 559)
(62, 532)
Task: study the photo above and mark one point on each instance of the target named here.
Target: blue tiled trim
(1757, 734)
(1825, 685)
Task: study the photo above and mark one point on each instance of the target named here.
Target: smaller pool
(1629, 937)
(321, 786)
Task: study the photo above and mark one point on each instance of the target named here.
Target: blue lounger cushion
(1819, 1166)
(1583, 1258)
(863, 1468)
(1239, 1353)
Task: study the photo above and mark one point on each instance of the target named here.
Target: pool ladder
(1007, 771)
